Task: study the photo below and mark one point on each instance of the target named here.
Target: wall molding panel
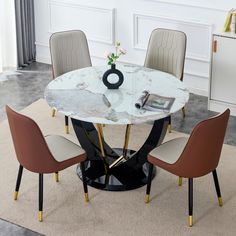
(131, 22)
(64, 15)
(196, 50)
(194, 4)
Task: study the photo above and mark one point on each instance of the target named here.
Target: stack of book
(230, 22)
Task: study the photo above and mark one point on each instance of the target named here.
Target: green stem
(116, 54)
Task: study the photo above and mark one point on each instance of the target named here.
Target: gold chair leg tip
(86, 196)
(220, 201)
(180, 181)
(169, 128)
(15, 195)
(40, 216)
(56, 177)
(53, 113)
(147, 198)
(190, 221)
(67, 129)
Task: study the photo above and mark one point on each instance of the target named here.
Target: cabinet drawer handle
(214, 46)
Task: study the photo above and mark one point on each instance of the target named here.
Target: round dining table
(82, 95)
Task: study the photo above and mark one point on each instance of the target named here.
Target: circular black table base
(121, 177)
(111, 172)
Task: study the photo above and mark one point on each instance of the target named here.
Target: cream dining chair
(69, 51)
(166, 52)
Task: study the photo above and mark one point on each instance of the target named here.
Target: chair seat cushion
(63, 149)
(170, 151)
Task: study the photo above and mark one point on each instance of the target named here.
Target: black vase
(113, 70)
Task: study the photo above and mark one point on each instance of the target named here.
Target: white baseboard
(200, 92)
(221, 107)
(45, 60)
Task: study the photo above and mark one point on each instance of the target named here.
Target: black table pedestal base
(109, 171)
(119, 178)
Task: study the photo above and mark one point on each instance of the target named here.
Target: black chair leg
(190, 201)
(217, 186)
(82, 167)
(148, 190)
(40, 213)
(169, 125)
(183, 112)
(67, 124)
(18, 181)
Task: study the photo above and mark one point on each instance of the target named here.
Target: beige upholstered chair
(166, 52)
(69, 51)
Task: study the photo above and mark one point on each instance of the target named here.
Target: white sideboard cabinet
(222, 92)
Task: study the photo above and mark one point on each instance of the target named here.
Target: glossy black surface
(128, 174)
(190, 196)
(19, 176)
(40, 192)
(217, 185)
(149, 183)
(106, 75)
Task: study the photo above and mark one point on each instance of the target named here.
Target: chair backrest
(202, 152)
(166, 51)
(69, 51)
(31, 149)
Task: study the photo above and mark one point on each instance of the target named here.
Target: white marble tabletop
(82, 95)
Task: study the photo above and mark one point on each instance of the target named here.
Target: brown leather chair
(42, 155)
(69, 51)
(193, 157)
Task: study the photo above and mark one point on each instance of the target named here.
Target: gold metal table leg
(125, 147)
(101, 142)
(116, 161)
(101, 139)
(126, 143)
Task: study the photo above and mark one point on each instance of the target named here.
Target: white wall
(131, 22)
(8, 51)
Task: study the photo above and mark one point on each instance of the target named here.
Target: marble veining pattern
(82, 95)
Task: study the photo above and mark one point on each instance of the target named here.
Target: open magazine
(154, 102)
